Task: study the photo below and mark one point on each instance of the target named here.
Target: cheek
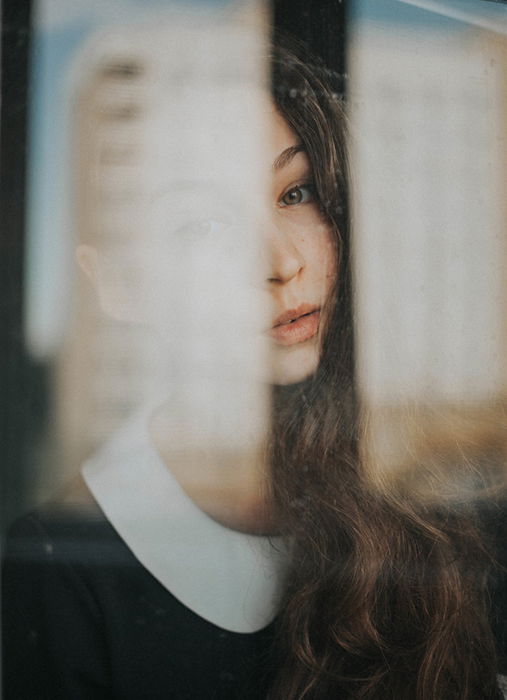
(324, 255)
(330, 255)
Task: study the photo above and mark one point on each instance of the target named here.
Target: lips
(296, 325)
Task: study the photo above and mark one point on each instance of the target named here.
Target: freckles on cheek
(330, 266)
(329, 257)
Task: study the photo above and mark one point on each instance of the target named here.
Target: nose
(286, 261)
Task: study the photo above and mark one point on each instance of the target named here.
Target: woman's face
(302, 259)
(191, 231)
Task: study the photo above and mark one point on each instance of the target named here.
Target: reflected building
(104, 363)
(428, 117)
(159, 190)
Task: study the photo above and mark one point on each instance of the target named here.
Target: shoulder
(70, 529)
(51, 614)
(65, 550)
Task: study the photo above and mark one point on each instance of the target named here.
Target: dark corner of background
(20, 379)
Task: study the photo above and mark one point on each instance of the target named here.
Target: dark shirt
(83, 619)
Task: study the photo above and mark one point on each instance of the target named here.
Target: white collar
(227, 577)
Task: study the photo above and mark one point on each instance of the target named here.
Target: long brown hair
(385, 597)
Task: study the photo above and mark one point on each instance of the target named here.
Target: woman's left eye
(300, 194)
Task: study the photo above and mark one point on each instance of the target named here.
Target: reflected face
(193, 276)
(302, 259)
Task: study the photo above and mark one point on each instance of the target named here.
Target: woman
(380, 600)
(387, 595)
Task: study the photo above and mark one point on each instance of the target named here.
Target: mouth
(296, 325)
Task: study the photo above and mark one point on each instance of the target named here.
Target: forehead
(217, 132)
(211, 132)
(211, 152)
(282, 135)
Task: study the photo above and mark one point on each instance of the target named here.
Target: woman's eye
(200, 228)
(300, 194)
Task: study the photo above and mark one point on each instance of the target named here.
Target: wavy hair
(385, 599)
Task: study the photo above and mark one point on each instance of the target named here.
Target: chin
(294, 364)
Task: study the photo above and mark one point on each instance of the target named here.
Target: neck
(231, 487)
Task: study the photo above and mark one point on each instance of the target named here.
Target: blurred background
(84, 88)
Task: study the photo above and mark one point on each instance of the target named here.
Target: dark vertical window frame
(322, 26)
(20, 378)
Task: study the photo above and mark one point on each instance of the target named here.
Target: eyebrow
(285, 157)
